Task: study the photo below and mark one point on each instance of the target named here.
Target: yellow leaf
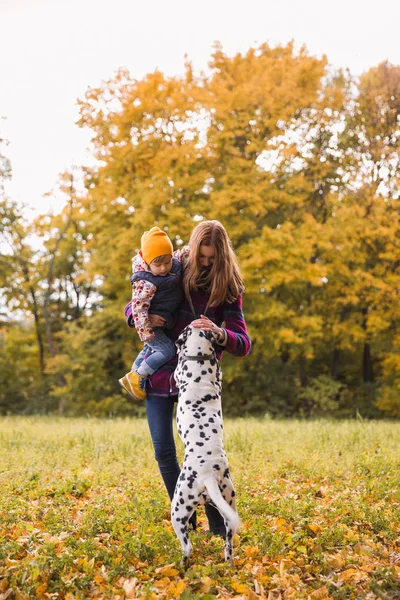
(284, 565)
(279, 523)
(167, 570)
(314, 528)
(251, 551)
(40, 590)
(240, 588)
(21, 595)
(207, 584)
(351, 535)
(334, 562)
(163, 583)
(175, 589)
(320, 593)
(352, 575)
(290, 593)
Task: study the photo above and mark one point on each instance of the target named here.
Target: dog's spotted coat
(205, 473)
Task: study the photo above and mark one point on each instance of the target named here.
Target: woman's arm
(238, 341)
(234, 337)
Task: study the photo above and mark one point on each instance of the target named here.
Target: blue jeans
(162, 350)
(160, 412)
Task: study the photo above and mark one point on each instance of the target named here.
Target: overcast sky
(52, 50)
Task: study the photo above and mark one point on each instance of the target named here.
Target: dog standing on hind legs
(205, 472)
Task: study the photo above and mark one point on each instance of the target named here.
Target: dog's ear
(182, 338)
(210, 336)
(179, 342)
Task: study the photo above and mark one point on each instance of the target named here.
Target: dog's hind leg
(180, 515)
(228, 493)
(228, 550)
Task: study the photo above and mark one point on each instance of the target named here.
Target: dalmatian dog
(205, 474)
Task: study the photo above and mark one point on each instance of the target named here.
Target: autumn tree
(299, 161)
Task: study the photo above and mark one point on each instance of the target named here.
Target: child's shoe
(134, 384)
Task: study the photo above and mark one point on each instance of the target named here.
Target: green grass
(84, 514)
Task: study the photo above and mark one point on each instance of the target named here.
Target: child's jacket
(154, 294)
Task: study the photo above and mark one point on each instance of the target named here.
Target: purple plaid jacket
(162, 383)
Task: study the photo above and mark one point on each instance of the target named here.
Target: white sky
(52, 50)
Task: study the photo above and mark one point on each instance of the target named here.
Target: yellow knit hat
(155, 243)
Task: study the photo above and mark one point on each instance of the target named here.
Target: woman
(213, 288)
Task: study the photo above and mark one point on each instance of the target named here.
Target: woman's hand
(208, 325)
(156, 321)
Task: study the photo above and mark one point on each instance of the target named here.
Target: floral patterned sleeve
(142, 294)
(182, 253)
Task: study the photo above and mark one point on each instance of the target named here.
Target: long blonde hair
(223, 279)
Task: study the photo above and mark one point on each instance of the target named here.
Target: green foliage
(323, 396)
(91, 364)
(21, 384)
(389, 394)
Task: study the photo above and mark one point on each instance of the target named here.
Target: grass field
(84, 514)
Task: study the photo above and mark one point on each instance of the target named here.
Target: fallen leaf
(240, 588)
(129, 586)
(352, 576)
(162, 583)
(284, 565)
(320, 593)
(4, 585)
(175, 589)
(335, 562)
(21, 595)
(168, 570)
(290, 593)
(41, 589)
(207, 584)
(314, 528)
(251, 551)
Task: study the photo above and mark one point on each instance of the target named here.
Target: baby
(156, 289)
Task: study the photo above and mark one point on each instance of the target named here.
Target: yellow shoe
(134, 384)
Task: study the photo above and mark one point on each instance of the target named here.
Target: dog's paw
(185, 563)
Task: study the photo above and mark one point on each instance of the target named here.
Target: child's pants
(163, 349)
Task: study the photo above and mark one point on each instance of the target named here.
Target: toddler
(156, 289)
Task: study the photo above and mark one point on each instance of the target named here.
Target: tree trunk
(335, 363)
(336, 351)
(38, 334)
(36, 318)
(47, 319)
(303, 371)
(367, 372)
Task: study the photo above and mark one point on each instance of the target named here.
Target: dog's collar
(201, 357)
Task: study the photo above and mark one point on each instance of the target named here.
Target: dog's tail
(226, 511)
